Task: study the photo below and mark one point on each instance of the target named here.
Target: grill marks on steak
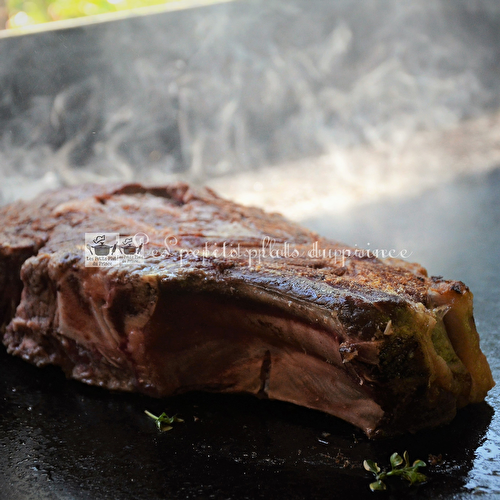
(375, 343)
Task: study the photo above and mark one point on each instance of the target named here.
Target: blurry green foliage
(25, 12)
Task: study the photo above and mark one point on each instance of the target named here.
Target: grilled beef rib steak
(376, 343)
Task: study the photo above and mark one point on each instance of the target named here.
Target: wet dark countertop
(60, 439)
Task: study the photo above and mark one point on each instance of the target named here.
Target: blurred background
(301, 107)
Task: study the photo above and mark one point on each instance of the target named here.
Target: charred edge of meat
(380, 346)
(11, 285)
(174, 192)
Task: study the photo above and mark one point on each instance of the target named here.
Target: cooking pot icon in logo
(128, 247)
(111, 249)
(99, 248)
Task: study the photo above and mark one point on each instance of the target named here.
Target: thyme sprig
(163, 421)
(399, 467)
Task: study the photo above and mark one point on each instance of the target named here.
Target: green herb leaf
(399, 467)
(371, 466)
(414, 477)
(163, 422)
(395, 460)
(378, 486)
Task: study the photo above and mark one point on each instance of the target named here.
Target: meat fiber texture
(232, 299)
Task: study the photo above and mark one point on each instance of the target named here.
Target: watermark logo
(269, 248)
(112, 249)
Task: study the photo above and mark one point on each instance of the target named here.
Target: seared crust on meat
(231, 298)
